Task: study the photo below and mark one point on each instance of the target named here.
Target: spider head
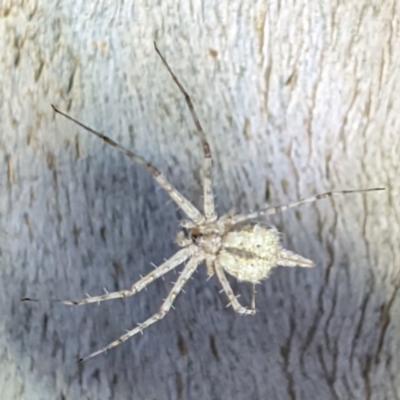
(184, 238)
(207, 236)
(188, 236)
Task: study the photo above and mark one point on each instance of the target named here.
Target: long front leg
(208, 196)
(181, 201)
(275, 209)
(166, 306)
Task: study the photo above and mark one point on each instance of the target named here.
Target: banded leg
(181, 201)
(275, 209)
(209, 206)
(177, 259)
(166, 306)
(226, 287)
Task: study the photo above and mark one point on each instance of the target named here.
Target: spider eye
(195, 234)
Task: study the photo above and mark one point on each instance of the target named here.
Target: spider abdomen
(250, 253)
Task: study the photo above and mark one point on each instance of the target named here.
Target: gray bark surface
(296, 98)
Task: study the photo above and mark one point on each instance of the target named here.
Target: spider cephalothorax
(229, 244)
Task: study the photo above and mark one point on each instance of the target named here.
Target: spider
(232, 244)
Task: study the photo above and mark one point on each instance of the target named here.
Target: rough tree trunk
(296, 98)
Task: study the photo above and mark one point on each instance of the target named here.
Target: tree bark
(296, 98)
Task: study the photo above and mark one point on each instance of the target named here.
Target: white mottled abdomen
(250, 253)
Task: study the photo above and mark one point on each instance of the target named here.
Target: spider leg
(209, 206)
(253, 297)
(166, 306)
(177, 259)
(275, 209)
(182, 202)
(229, 292)
(210, 267)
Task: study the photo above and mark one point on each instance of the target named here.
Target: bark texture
(296, 98)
